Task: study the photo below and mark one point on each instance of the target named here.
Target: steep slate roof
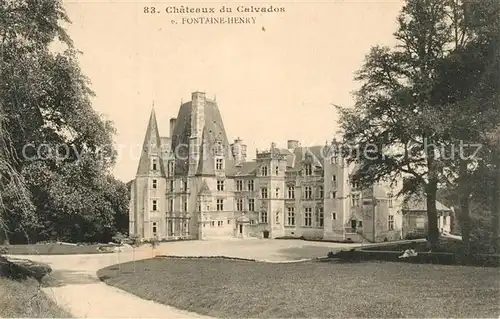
(419, 203)
(301, 151)
(213, 131)
(151, 140)
(244, 169)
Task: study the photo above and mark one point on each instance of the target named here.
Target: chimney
(292, 144)
(172, 126)
(197, 122)
(239, 150)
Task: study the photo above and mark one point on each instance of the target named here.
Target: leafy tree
(393, 123)
(468, 88)
(435, 89)
(61, 148)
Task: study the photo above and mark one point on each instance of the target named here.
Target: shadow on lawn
(59, 278)
(297, 253)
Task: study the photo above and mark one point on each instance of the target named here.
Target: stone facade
(193, 183)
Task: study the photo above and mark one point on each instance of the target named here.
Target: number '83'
(150, 10)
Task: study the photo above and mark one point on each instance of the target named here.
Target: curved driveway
(74, 284)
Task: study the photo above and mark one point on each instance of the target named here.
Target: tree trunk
(464, 194)
(432, 224)
(495, 202)
(431, 195)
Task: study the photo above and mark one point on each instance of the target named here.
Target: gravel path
(74, 285)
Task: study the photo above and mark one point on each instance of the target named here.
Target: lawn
(24, 299)
(51, 249)
(238, 289)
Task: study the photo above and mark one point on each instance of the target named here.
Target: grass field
(51, 249)
(23, 299)
(237, 289)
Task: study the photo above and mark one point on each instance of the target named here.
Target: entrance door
(241, 229)
(353, 224)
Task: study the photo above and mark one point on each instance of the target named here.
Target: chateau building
(194, 183)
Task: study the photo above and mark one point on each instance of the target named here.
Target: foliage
(60, 146)
(421, 98)
(135, 240)
(119, 238)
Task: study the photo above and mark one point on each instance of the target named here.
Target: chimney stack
(172, 126)
(292, 144)
(239, 150)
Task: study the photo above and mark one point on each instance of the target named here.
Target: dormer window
(154, 164)
(220, 185)
(390, 200)
(264, 171)
(219, 164)
(170, 168)
(308, 169)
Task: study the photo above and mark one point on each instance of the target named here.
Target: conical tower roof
(150, 146)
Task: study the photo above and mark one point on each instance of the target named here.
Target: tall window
(334, 195)
(390, 222)
(219, 164)
(251, 204)
(308, 216)
(277, 192)
(220, 204)
(263, 192)
(290, 217)
(184, 185)
(155, 182)
(172, 185)
(334, 216)
(170, 168)
(220, 185)
(239, 204)
(291, 192)
(320, 217)
(277, 217)
(155, 205)
(390, 200)
(264, 171)
(308, 192)
(308, 169)
(171, 205)
(184, 203)
(420, 222)
(239, 185)
(277, 170)
(263, 217)
(154, 165)
(355, 200)
(154, 228)
(334, 180)
(320, 192)
(250, 185)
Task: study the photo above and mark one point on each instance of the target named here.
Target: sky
(274, 80)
